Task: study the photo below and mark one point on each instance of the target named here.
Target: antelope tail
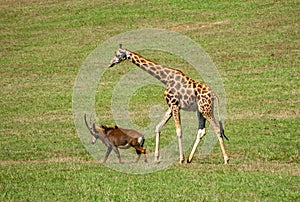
(222, 132)
(141, 141)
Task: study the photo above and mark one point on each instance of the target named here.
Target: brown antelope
(115, 137)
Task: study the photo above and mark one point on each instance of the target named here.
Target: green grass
(255, 46)
(91, 181)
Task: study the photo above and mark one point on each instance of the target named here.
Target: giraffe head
(120, 55)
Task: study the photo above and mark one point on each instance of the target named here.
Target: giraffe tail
(222, 132)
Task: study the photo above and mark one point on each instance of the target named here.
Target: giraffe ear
(120, 45)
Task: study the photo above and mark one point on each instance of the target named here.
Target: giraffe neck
(156, 70)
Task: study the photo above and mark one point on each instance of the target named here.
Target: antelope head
(96, 132)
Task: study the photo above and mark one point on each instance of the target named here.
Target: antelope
(115, 137)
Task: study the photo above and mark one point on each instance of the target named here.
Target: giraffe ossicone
(183, 93)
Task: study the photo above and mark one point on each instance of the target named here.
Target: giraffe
(183, 93)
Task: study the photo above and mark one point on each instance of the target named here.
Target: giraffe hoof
(226, 160)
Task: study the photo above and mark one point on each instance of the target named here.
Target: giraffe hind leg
(218, 131)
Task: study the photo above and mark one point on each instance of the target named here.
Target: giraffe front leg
(179, 136)
(176, 115)
(156, 157)
(157, 131)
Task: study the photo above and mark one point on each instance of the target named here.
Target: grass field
(255, 46)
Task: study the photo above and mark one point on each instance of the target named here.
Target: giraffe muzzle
(113, 62)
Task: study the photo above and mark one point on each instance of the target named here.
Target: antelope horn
(94, 126)
(87, 125)
(91, 119)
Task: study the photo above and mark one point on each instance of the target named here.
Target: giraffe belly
(188, 106)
